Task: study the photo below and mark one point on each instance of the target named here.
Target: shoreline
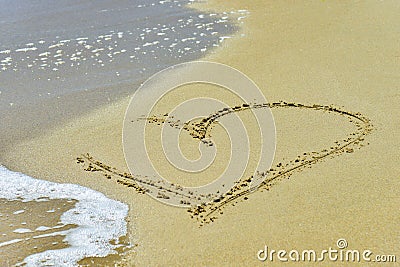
(316, 62)
(77, 71)
(58, 224)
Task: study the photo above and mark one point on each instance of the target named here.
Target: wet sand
(30, 225)
(323, 53)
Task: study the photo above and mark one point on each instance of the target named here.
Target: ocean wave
(100, 221)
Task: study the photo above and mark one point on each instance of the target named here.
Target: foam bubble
(18, 212)
(26, 49)
(42, 228)
(22, 230)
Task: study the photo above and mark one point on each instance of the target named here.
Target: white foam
(22, 230)
(56, 45)
(11, 242)
(100, 220)
(18, 212)
(45, 54)
(43, 228)
(26, 49)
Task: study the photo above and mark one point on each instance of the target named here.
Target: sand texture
(329, 71)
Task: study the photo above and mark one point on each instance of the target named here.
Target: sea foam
(100, 221)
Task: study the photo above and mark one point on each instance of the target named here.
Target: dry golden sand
(322, 52)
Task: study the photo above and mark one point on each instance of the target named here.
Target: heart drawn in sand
(190, 116)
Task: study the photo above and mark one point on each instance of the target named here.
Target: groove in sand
(214, 204)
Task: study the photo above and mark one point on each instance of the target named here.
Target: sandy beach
(342, 53)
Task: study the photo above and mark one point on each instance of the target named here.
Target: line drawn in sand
(213, 205)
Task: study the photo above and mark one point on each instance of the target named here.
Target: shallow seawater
(30, 227)
(78, 45)
(51, 224)
(61, 59)
(77, 55)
